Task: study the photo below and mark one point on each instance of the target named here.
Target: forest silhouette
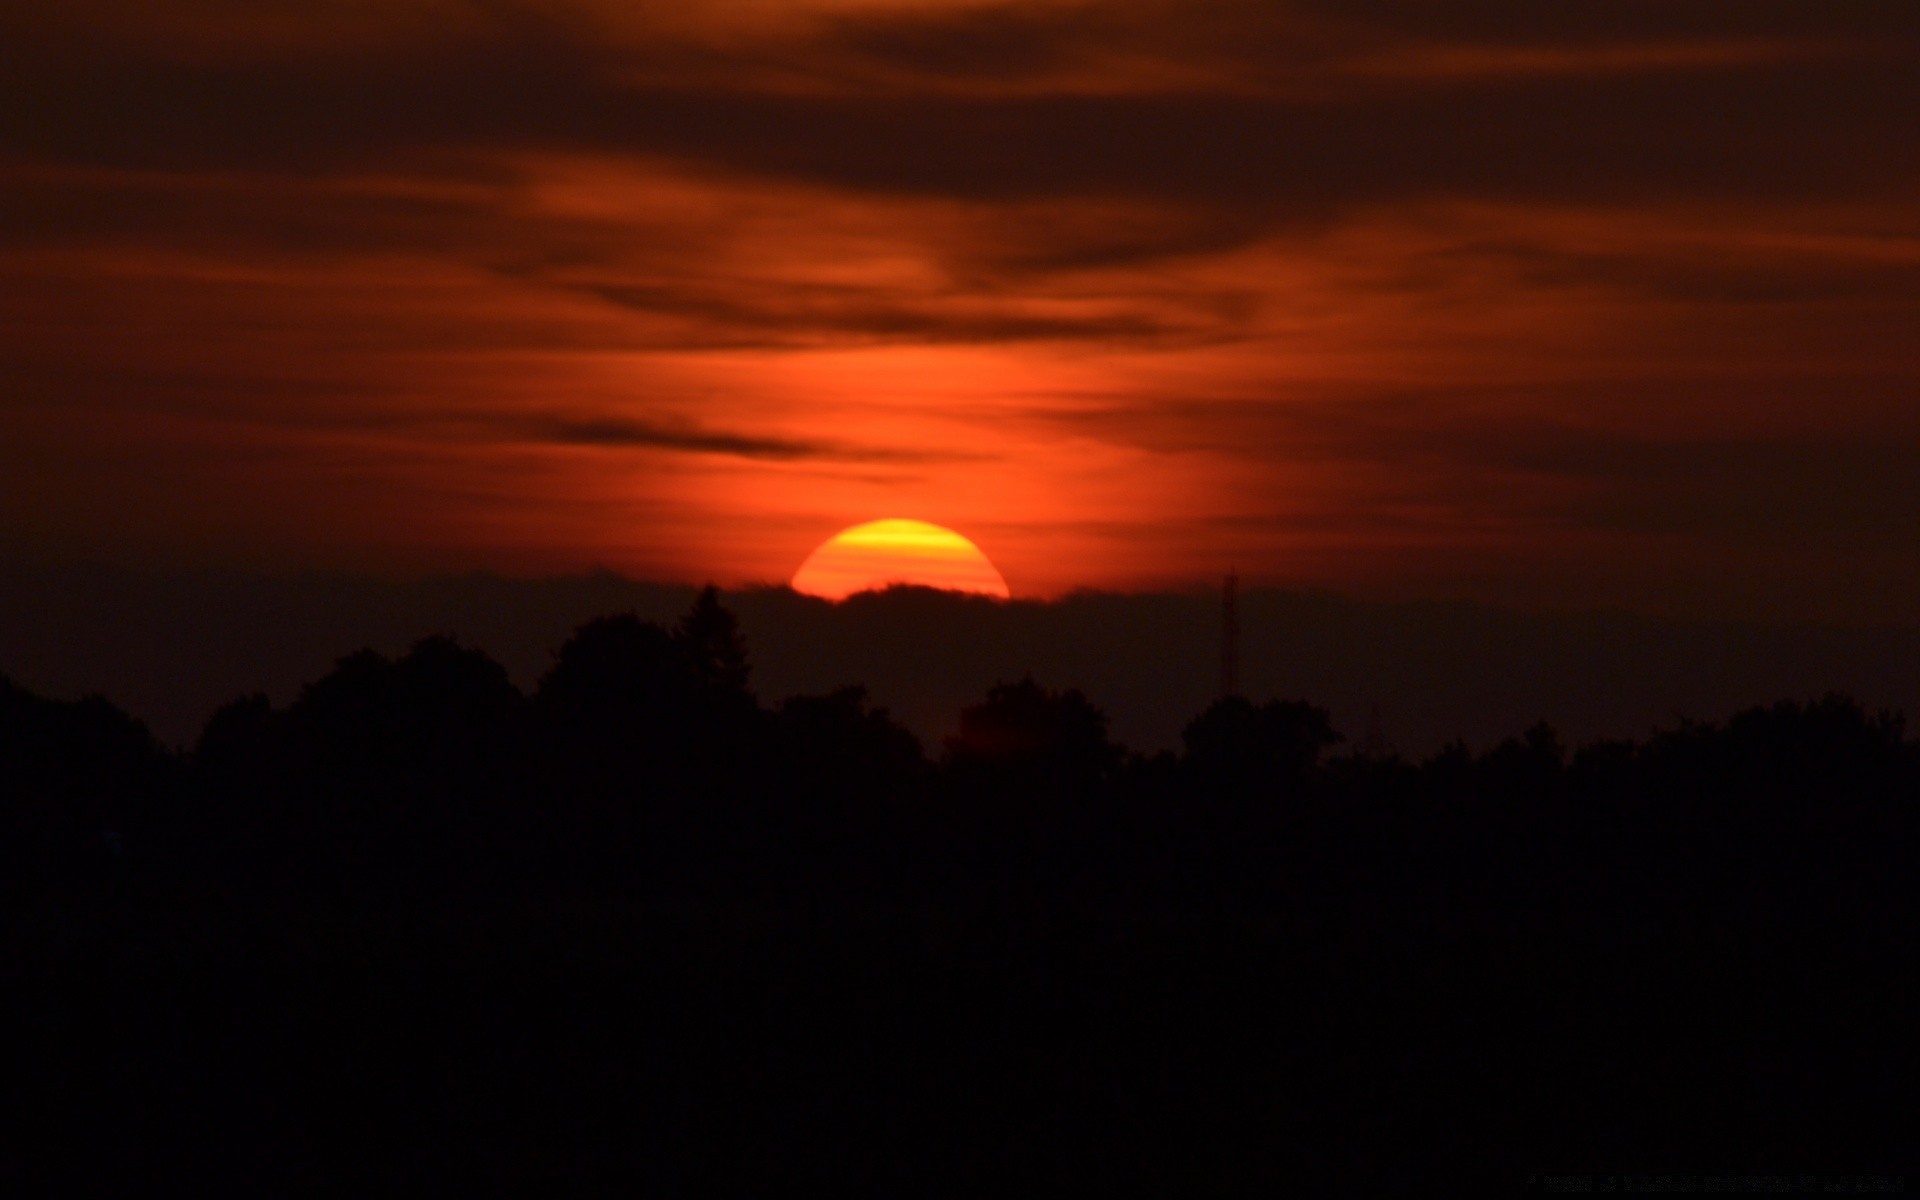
(418, 928)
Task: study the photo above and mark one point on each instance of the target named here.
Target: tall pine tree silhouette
(712, 635)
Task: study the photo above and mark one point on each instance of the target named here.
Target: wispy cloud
(618, 433)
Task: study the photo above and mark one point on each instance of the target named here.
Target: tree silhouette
(387, 769)
(621, 669)
(75, 778)
(1039, 737)
(415, 899)
(711, 634)
(1241, 748)
(840, 744)
(1528, 766)
(651, 746)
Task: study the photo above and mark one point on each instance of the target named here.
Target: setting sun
(879, 554)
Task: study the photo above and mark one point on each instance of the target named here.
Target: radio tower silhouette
(1230, 637)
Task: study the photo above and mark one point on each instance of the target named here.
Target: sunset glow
(885, 553)
(1531, 304)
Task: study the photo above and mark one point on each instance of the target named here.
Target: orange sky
(1543, 307)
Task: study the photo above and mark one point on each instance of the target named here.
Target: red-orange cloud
(1512, 302)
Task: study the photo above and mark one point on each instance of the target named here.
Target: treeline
(637, 925)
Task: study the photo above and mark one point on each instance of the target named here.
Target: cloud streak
(617, 433)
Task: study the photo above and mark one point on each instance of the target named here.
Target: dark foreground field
(420, 930)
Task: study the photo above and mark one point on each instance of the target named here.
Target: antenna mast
(1230, 636)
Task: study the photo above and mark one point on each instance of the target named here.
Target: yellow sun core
(883, 553)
